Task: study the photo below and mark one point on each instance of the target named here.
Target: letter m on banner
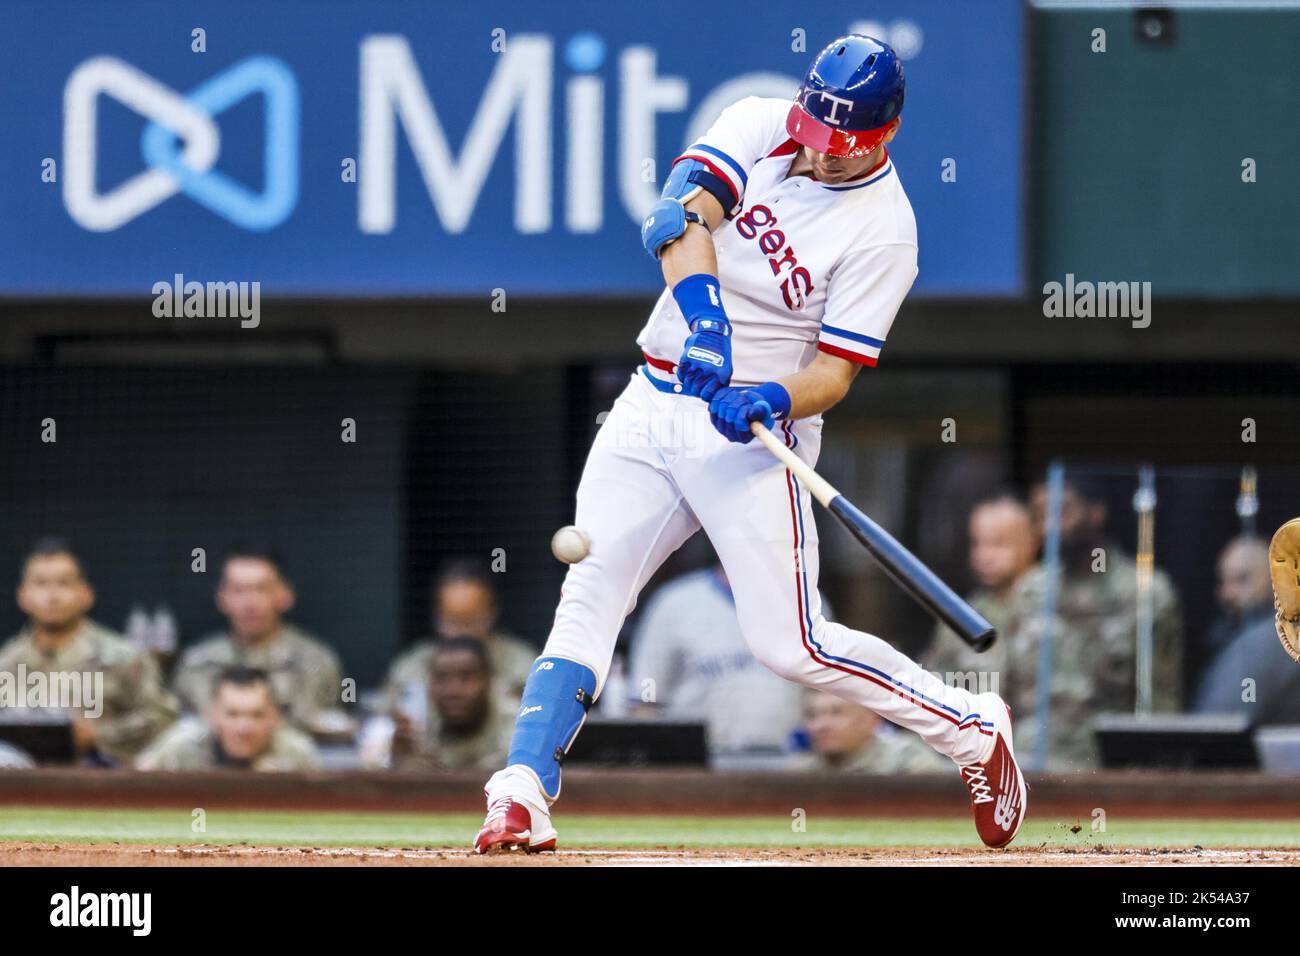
(393, 91)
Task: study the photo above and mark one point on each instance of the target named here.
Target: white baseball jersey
(803, 265)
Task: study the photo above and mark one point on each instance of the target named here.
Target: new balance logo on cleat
(1004, 813)
(997, 787)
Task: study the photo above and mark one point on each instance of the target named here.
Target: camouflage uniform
(887, 752)
(953, 659)
(191, 745)
(304, 673)
(1094, 648)
(510, 658)
(136, 707)
(486, 749)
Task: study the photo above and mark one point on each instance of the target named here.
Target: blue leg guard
(557, 697)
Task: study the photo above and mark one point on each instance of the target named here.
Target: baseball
(570, 544)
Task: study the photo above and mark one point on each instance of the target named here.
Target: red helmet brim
(806, 130)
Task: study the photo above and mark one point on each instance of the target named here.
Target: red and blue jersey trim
(788, 148)
(713, 151)
(727, 170)
(847, 344)
(846, 354)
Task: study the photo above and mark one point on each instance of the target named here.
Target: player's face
(459, 688)
(253, 596)
(1002, 544)
(53, 593)
(837, 169)
(243, 720)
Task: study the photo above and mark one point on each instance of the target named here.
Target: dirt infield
(640, 818)
(53, 854)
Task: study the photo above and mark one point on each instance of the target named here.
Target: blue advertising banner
(418, 148)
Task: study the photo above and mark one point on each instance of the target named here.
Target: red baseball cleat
(509, 826)
(997, 787)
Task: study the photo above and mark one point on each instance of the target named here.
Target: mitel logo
(181, 145)
(528, 90)
(536, 79)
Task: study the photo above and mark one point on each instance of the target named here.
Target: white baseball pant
(657, 472)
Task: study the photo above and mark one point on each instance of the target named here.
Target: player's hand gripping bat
(899, 563)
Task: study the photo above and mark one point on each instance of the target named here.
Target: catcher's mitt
(1284, 565)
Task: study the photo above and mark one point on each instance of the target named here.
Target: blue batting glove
(705, 365)
(732, 410)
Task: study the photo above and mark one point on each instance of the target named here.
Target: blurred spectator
(1252, 676)
(1250, 673)
(1003, 546)
(464, 605)
(472, 728)
(243, 730)
(1094, 634)
(689, 661)
(122, 703)
(11, 758)
(304, 674)
(848, 738)
(1244, 592)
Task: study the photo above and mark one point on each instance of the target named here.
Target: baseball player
(787, 245)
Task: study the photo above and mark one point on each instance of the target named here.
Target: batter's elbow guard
(669, 218)
(666, 222)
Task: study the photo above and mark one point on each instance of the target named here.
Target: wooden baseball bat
(899, 563)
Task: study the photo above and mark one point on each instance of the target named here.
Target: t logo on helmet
(838, 101)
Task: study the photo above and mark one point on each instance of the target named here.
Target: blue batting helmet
(852, 93)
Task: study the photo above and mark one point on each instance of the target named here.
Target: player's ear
(893, 130)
